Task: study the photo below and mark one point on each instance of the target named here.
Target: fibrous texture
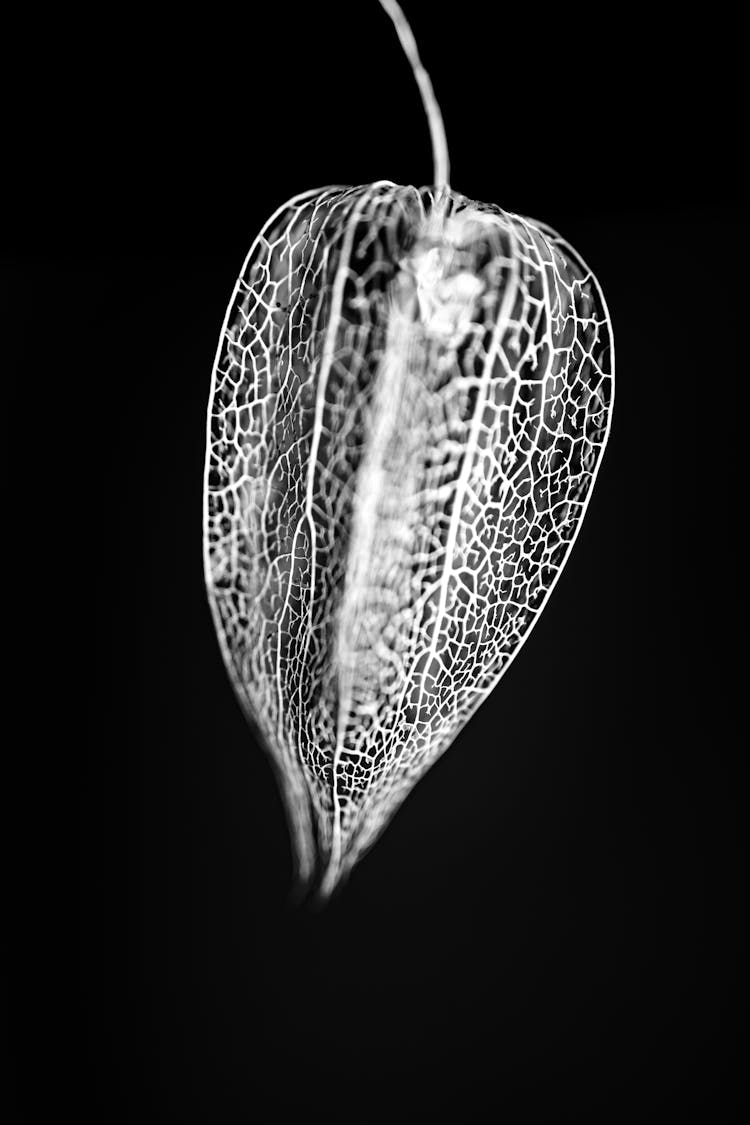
(409, 404)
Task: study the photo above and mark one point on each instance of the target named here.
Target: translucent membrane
(409, 405)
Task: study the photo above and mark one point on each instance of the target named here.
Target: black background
(551, 928)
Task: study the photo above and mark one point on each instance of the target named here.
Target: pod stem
(441, 165)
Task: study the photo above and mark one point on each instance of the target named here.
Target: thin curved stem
(441, 165)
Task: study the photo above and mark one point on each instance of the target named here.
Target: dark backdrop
(550, 929)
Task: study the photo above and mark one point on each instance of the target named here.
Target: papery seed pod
(410, 400)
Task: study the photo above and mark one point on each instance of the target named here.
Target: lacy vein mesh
(410, 400)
